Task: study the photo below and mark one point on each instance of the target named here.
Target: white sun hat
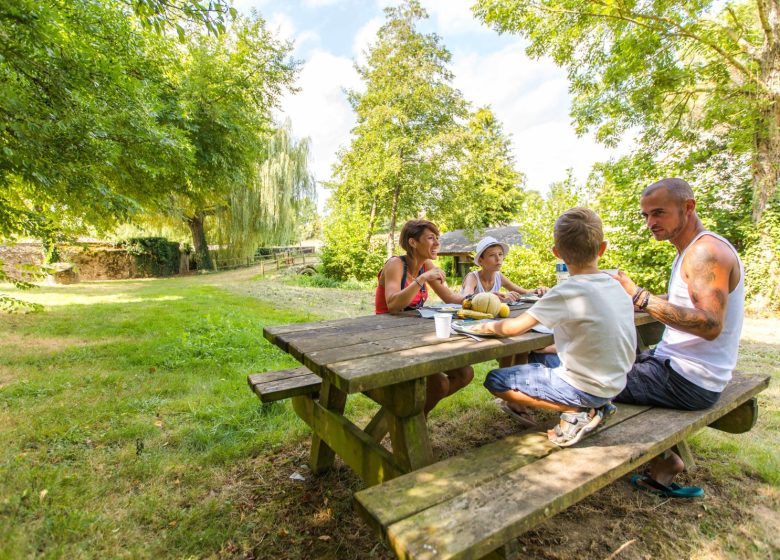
(487, 242)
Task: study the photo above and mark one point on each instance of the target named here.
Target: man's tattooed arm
(706, 268)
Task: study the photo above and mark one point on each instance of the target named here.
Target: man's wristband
(645, 301)
(637, 295)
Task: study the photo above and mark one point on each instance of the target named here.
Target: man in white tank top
(702, 311)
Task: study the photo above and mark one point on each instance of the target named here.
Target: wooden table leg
(404, 404)
(322, 456)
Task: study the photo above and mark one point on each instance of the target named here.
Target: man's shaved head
(678, 189)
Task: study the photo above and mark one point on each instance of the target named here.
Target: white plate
(446, 307)
(465, 326)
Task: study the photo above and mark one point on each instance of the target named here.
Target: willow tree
(221, 99)
(264, 210)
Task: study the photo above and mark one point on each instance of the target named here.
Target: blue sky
(530, 97)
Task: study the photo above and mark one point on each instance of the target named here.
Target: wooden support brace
(377, 428)
(372, 462)
(739, 420)
(684, 451)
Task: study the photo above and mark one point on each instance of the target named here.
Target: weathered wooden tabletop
(379, 350)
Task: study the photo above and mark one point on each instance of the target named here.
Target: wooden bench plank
(277, 385)
(397, 499)
(510, 505)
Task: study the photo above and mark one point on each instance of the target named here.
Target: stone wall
(92, 261)
(14, 257)
(100, 262)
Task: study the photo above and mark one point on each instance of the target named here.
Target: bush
(345, 254)
(155, 256)
(319, 280)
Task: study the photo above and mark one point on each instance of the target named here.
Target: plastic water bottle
(561, 271)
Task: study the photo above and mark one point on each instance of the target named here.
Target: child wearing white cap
(489, 255)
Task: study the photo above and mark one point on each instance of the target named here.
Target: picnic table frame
(388, 358)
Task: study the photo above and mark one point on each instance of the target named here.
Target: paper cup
(442, 321)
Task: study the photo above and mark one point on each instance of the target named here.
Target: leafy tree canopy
(681, 73)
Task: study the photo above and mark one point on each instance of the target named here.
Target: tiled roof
(455, 242)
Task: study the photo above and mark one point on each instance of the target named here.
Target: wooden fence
(267, 263)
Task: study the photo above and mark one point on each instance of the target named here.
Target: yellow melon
(503, 311)
(486, 302)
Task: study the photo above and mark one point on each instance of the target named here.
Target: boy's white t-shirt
(592, 319)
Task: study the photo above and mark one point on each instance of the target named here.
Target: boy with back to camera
(592, 319)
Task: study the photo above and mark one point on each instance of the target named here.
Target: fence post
(262, 269)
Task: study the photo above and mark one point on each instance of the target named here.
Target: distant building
(455, 244)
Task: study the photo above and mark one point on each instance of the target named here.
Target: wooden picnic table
(387, 358)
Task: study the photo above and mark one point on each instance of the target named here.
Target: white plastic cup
(443, 321)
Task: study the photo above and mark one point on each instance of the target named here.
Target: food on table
(503, 311)
(486, 302)
(471, 314)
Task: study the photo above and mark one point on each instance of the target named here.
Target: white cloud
(282, 26)
(245, 6)
(453, 17)
(321, 111)
(531, 99)
(321, 3)
(364, 38)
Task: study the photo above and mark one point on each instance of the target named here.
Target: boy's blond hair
(578, 236)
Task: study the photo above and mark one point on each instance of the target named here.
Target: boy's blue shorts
(542, 383)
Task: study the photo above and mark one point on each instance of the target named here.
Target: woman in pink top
(403, 284)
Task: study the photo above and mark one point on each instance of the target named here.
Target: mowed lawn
(128, 431)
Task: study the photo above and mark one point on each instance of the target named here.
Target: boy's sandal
(674, 490)
(572, 427)
(523, 418)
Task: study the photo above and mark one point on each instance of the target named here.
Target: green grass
(120, 405)
(128, 430)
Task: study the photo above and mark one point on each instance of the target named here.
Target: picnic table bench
(476, 504)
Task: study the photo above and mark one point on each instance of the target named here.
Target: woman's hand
(540, 291)
(432, 275)
(508, 296)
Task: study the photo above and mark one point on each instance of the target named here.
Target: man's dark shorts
(652, 381)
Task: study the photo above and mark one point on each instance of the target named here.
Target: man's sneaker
(573, 426)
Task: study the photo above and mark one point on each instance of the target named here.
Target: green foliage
(320, 280)
(264, 210)
(487, 190)
(155, 256)
(533, 263)
(762, 262)
(347, 252)
(161, 15)
(413, 153)
(80, 138)
(399, 155)
(700, 86)
(678, 73)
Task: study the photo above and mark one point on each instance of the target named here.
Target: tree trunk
(766, 166)
(199, 244)
(393, 217)
(371, 223)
